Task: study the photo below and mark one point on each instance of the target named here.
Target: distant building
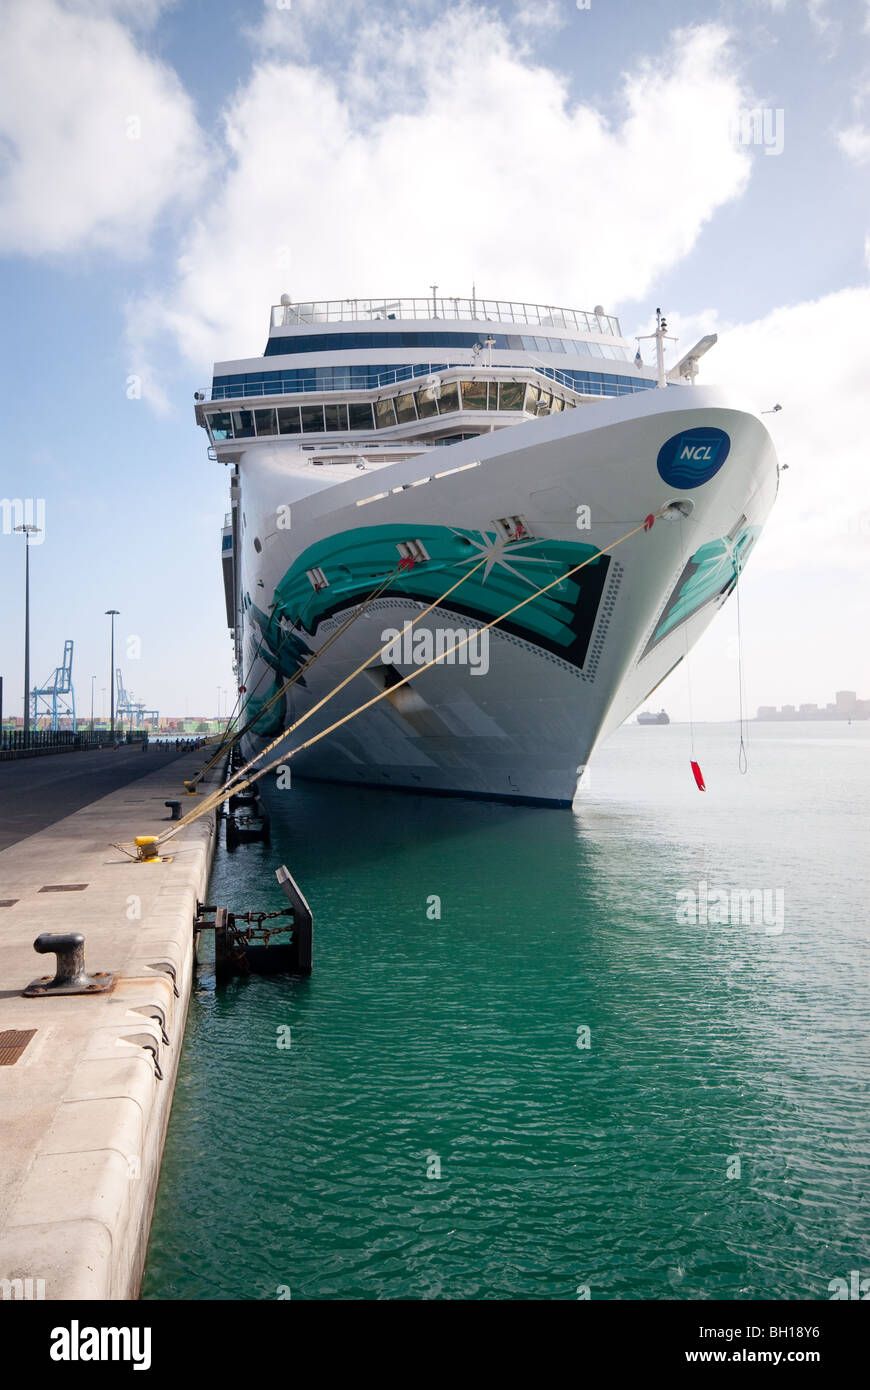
(846, 706)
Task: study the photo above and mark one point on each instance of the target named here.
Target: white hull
(525, 728)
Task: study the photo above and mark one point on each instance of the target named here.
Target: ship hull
(516, 712)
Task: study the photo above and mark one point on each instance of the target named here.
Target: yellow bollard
(147, 847)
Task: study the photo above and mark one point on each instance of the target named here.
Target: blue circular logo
(694, 457)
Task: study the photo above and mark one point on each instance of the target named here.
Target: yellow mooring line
(235, 784)
(229, 743)
(239, 781)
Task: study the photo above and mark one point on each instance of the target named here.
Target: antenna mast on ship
(661, 336)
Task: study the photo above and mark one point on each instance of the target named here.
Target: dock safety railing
(13, 744)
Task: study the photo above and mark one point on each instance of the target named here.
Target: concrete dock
(84, 1104)
(36, 792)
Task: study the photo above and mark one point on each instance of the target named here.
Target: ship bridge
(352, 366)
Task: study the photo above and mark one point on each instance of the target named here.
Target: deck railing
(605, 383)
(287, 315)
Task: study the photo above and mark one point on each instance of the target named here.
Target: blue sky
(548, 152)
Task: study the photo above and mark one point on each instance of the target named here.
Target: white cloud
(826, 27)
(141, 14)
(814, 360)
(475, 165)
(855, 142)
(541, 15)
(97, 137)
(295, 28)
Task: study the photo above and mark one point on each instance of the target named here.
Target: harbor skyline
(845, 705)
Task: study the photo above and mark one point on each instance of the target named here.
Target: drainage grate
(63, 887)
(8, 902)
(13, 1043)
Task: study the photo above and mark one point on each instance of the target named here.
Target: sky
(169, 168)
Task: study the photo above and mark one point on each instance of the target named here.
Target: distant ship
(464, 456)
(646, 716)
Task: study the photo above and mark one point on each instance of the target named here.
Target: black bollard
(70, 976)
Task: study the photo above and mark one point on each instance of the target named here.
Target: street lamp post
(28, 532)
(93, 678)
(112, 613)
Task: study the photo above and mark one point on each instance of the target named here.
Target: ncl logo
(706, 452)
(687, 460)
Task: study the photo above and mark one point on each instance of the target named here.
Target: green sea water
(561, 1084)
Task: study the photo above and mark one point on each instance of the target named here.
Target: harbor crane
(56, 698)
(135, 711)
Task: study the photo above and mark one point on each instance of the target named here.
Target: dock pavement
(86, 1081)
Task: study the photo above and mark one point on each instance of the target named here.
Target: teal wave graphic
(710, 573)
(356, 561)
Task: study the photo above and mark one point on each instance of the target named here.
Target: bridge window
(266, 423)
(243, 424)
(427, 406)
(288, 419)
(335, 417)
(511, 395)
(360, 417)
(312, 419)
(221, 425)
(405, 409)
(385, 414)
(474, 395)
(449, 399)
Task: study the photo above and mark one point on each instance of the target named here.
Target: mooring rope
(233, 783)
(684, 558)
(247, 781)
(742, 756)
(230, 743)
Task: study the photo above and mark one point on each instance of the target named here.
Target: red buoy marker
(698, 776)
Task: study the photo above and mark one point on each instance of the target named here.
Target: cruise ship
(588, 511)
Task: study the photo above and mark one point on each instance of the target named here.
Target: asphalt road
(36, 792)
